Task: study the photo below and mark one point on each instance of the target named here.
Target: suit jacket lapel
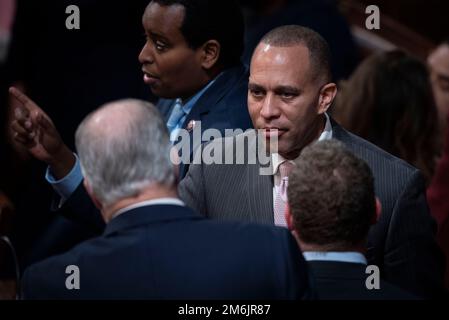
(165, 107)
(260, 196)
(260, 190)
(339, 133)
(214, 93)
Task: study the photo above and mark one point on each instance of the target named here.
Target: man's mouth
(149, 78)
(273, 132)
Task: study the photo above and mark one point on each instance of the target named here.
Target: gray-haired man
(153, 246)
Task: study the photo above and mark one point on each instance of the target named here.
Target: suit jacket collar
(259, 187)
(337, 270)
(260, 195)
(222, 85)
(148, 215)
(338, 132)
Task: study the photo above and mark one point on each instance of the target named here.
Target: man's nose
(270, 109)
(146, 54)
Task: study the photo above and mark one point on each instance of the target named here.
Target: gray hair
(124, 147)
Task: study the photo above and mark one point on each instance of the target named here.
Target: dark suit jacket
(346, 281)
(402, 243)
(222, 106)
(170, 252)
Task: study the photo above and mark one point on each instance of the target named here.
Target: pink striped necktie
(281, 195)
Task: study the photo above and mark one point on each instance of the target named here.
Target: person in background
(438, 63)
(7, 12)
(388, 101)
(438, 195)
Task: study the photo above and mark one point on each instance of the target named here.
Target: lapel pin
(191, 125)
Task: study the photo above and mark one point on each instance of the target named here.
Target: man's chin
(275, 145)
(162, 94)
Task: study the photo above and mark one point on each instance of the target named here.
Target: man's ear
(210, 53)
(91, 194)
(289, 217)
(327, 96)
(378, 211)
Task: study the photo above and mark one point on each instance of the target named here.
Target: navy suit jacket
(347, 281)
(170, 252)
(222, 106)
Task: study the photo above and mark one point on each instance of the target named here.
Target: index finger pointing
(19, 96)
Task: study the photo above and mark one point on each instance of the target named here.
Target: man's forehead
(279, 63)
(163, 16)
(267, 55)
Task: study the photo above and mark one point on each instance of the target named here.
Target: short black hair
(319, 52)
(331, 196)
(220, 20)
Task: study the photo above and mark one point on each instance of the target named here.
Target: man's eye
(160, 46)
(256, 93)
(287, 95)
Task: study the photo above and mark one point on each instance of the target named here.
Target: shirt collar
(161, 201)
(327, 132)
(277, 159)
(348, 256)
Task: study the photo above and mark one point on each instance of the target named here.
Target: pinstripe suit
(401, 243)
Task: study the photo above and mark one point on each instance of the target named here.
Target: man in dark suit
(153, 246)
(191, 60)
(332, 233)
(289, 94)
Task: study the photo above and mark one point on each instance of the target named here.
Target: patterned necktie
(281, 194)
(176, 115)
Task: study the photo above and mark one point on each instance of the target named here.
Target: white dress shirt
(277, 159)
(347, 256)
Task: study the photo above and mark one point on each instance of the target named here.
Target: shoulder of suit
(237, 90)
(368, 151)
(254, 231)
